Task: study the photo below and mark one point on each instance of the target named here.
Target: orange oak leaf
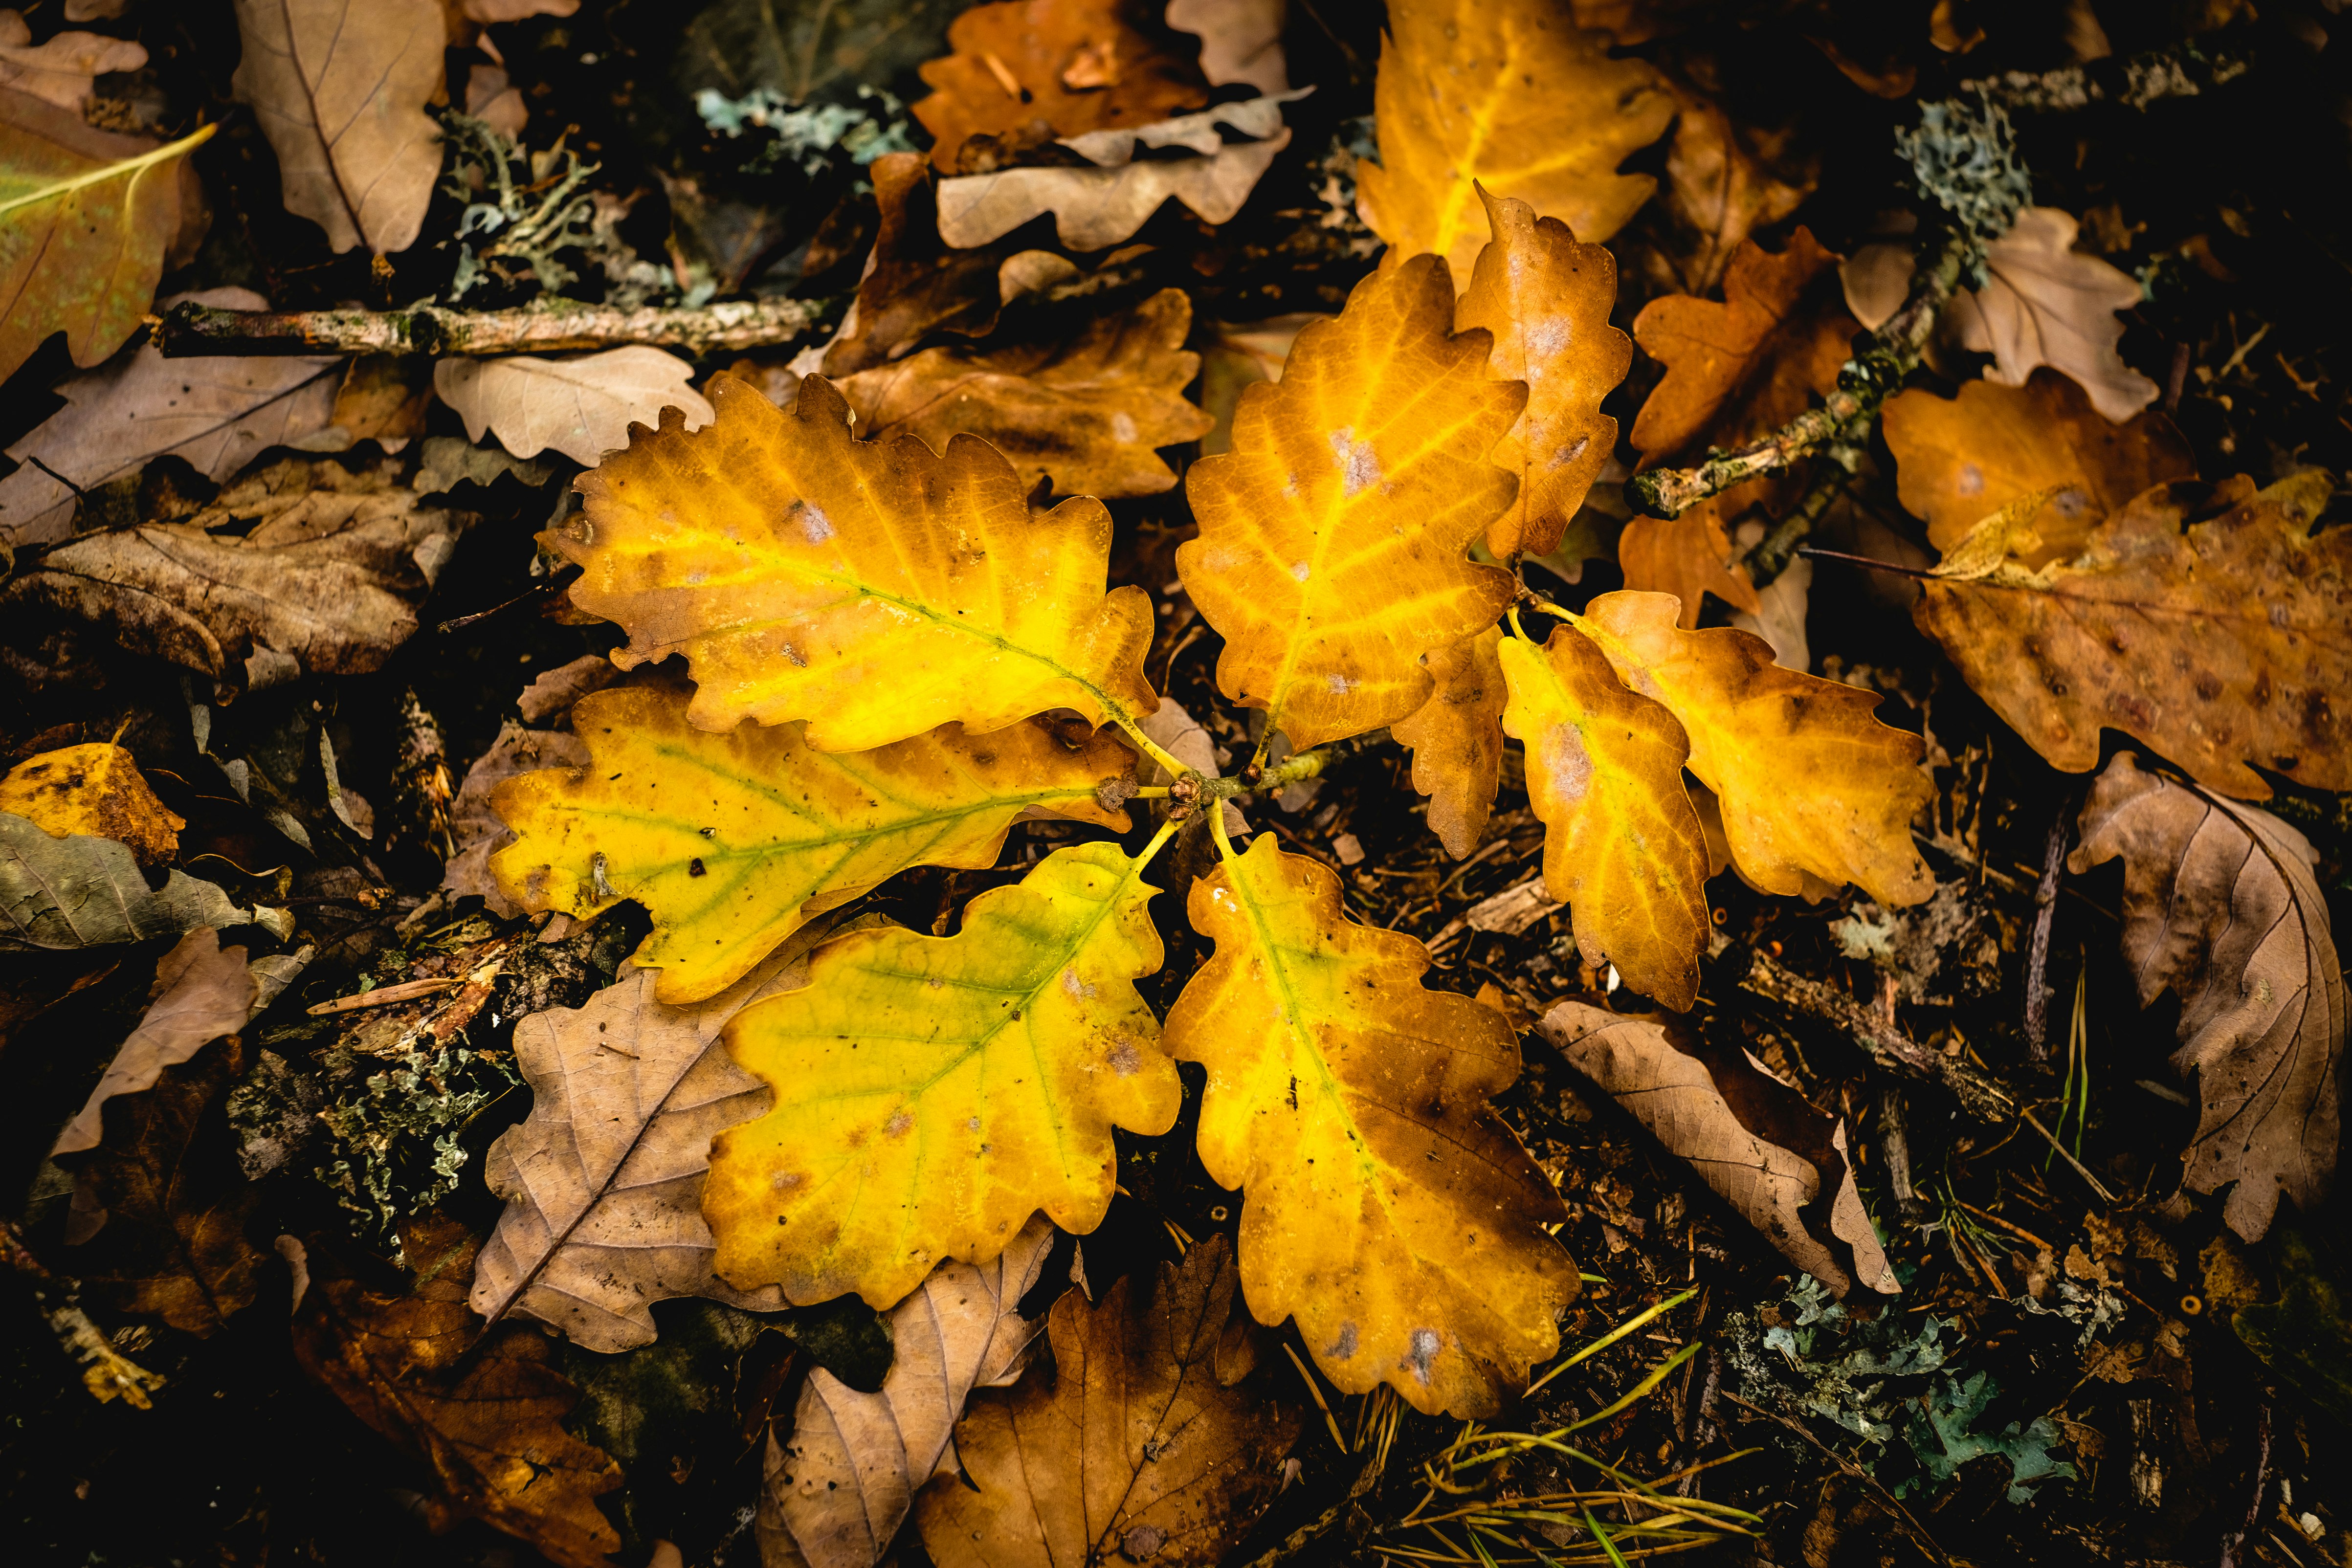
(1546, 299)
(1686, 557)
(1457, 740)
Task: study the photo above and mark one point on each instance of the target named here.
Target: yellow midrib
(127, 168)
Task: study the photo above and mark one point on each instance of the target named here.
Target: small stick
(386, 995)
(730, 326)
(2237, 1538)
(2080, 1168)
(2037, 962)
(1886, 1498)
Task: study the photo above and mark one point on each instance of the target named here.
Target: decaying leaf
(581, 407)
(1546, 299)
(1135, 1450)
(1783, 1166)
(1687, 557)
(604, 1181)
(833, 1495)
(932, 1092)
(484, 1414)
(1086, 413)
(96, 789)
(1240, 40)
(1754, 727)
(201, 991)
(84, 892)
(339, 89)
(476, 833)
(1622, 846)
(2221, 643)
(1511, 95)
(808, 50)
(1457, 740)
(217, 414)
(2045, 303)
(864, 587)
(732, 839)
(1959, 460)
(1056, 67)
(1383, 1207)
(60, 71)
(87, 217)
(1720, 186)
(2221, 908)
(1364, 468)
(326, 578)
(1104, 204)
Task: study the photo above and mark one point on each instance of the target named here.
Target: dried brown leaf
(1783, 1166)
(1136, 1447)
(84, 892)
(1240, 40)
(2045, 303)
(2221, 907)
(476, 831)
(201, 991)
(60, 71)
(583, 407)
(1721, 184)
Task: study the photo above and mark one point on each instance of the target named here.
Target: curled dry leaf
(1622, 840)
(339, 89)
(1511, 95)
(1753, 727)
(1687, 557)
(1962, 459)
(83, 891)
(174, 1203)
(2221, 907)
(1546, 299)
(1364, 468)
(326, 578)
(932, 1092)
(1384, 1206)
(95, 789)
(484, 1413)
(1783, 1166)
(868, 589)
(581, 407)
(732, 839)
(216, 413)
(2220, 644)
(1061, 67)
(1100, 205)
(1136, 1447)
(1087, 413)
(1456, 740)
(86, 219)
(604, 1180)
(60, 71)
(2044, 303)
(201, 991)
(1240, 40)
(476, 833)
(836, 1494)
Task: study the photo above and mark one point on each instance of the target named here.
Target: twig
(1886, 1498)
(1979, 1094)
(730, 326)
(2045, 912)
(2182, 71)
(2080, 1169)
(388, 996)
(1776, 550)
(2237, 1538)
(1867, 380)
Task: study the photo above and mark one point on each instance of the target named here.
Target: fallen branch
(1867, 380)
(729, 327)
(2182, 71)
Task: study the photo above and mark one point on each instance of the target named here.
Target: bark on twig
(2182, 71)
(1979, 1094)
(729, 327)
(1868, 380)
(2045, 912)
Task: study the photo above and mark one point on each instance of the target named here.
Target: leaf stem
(1173, 767)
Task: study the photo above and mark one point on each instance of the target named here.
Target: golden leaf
(1384, 1207)
(1959, 460)
(1059, 66)
(1088, 414)
(733, 840)
(1457, 740)
(1332, 553)
(1510, 94)
(95, 789)
(1810, 782)
(932, 1092)
(1687, 557)
(1622, 841)
(2219, 645)
(876, 590)
(1546, 299)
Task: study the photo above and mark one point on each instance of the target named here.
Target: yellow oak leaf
(1334, 535)
(1546, 299)
(1384, 1207)
(733, 840)
(876, 590)
(1809, 781)
(1457, 741)
(932, 1092)
(1622, 846)
(95, 789)
(1510, 94)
